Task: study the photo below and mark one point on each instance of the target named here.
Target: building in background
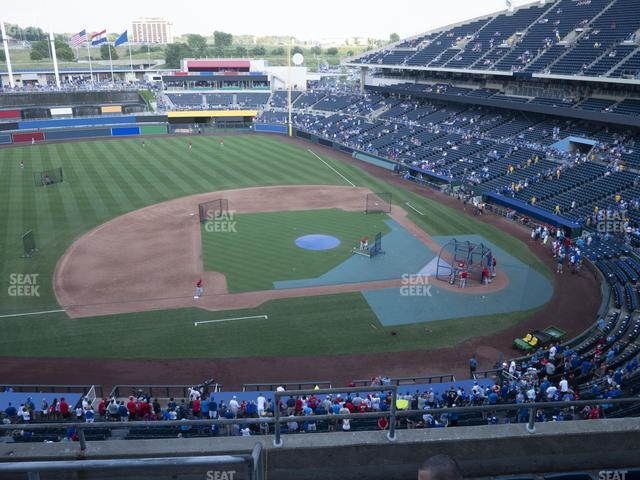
(151, 30)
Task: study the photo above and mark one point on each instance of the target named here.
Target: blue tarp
(18, 398)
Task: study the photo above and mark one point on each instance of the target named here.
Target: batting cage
(28, 244)
(460, 256)
(378, 203)
(48, 177)
(213, 210)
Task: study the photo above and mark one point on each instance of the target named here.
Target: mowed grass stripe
(183, 179)
(48, 197)
(209, 164)
(190, 165)
(257, 167)
(122, 190)
(123, 168)
(302, 170)
(100, 185)
(64, 193)
(194, 162)
(144, 162)
(138, 169)
(300, 162)
(310, 164)
(241, 162)
(75, 170)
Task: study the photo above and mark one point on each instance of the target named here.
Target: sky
(323, 20)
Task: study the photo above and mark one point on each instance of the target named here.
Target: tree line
(196, 46)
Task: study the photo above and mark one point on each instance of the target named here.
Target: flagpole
(5, 42)
(110, 62)
(130, 58)
(55, 59)
(89, 54)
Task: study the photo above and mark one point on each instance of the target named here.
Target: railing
(490, 373)
(162, 391)
(257, 387)
(277, 442)
(445, 377)
(178, 465)
(38, 388)
(278, 420)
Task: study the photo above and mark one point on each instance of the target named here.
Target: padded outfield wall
(81, 128)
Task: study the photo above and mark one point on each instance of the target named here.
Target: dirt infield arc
(151, 258)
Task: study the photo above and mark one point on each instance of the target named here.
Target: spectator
(439, 467)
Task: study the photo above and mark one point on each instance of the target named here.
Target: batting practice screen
(378, 203)
(48, 177)
(213, 209)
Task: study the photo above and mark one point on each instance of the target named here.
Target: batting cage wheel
(48, 177)
(213, 209)
(378, 203)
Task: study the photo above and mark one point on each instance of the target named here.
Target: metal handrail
(273, 386)
(392, 414)
(277, 442)
(416, 379)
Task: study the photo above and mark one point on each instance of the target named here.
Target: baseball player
(199, 289)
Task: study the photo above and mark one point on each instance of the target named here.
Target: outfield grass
(327, 325)
(273, 236)
(104, 179)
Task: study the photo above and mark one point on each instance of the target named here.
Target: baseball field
(114, 271)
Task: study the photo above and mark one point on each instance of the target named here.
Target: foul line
(31, 313)
(195, 324)
(341, 176)
(413, 208)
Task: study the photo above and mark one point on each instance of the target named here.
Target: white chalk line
(195, 324)
(413, 208)
(31, 313)
(341, 175)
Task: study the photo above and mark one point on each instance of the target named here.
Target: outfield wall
(82, 128)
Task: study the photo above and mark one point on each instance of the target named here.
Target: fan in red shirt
(64, 408)
(131, 408)
(196, 407)
(349, 406)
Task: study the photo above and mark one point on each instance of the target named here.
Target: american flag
(79, 38)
